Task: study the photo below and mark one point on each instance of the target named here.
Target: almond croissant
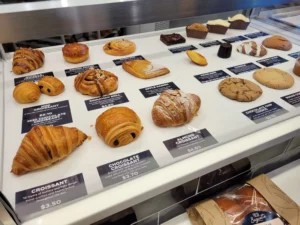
(45, 145)
(175, 108)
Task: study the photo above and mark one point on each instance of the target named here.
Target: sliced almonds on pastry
(197, 58)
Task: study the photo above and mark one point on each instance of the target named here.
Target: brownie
(218, 29)
(239, 25)
(172, 39)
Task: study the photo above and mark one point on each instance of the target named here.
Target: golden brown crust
(44, 145)
(118, 126)
(278, 42)
(196, 58)
(96, 82)
(75, 52)
(175, 108)
(26, 92)
(119, 47)
(26, 60)
(198, 27)
(51, 86)
(144, 69)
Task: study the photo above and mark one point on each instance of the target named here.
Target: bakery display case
(100, 127)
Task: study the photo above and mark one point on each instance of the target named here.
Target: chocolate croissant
(26, 92)
(51, 86)
(175, 108)
(44, 145)
(26, 60)
(96, 82)
(118, 126)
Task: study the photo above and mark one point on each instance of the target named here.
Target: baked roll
(144, 69)
(26, 60)
(44, 145)
(118, 126)
(75, 52)
(27, 92)
(96, 82)
(175, 108)
(51, 86)
(119, 47)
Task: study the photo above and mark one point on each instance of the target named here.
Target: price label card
(105, 101)
(272, 61)
(265, 112)
(126, 168)
(244, 68)
(32, 78)
(211, 43)
(191, 142)
(295, 55)
(256, 35)
(182, 49)
(119, 62)
(235, 39)
(158, 89)
(293, 99)
(212, 76)
(57, 113)
(50, 195)
(77, 70)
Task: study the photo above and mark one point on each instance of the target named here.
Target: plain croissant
(175, 108)
(45, 145)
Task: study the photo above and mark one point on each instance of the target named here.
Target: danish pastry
(144, 69)
(175, 108)
(26, 92)
(118, 126)
(96, 82)
(26, 60)
(119, 47)
(44, 145)
(75, 52)
(51, 86)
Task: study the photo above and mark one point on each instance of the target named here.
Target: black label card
(32, 78)
(212, 76)
(50, 195)
(182, 49)
(191, 142)
(235, 39)
(272, 61)
(209, 44)
(295, 55)
(126, 168)
(157, 89)
(57, 113)
(119, 62)
(105, 101)
(256, 35)
(265, 112)
(244, 68)
(293, 99)
(76, 71)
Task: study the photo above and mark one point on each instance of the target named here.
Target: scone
(218, 26)
(51, 86)
(239, 22)
(119, 47)
(144, 69)
(75, 52)
(26, 92)
(274, 78)
(278, 42)
(197, 30)
(252, 48)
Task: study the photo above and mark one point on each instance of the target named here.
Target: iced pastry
(252, 48)
(225, 50)
(197, 30)
(239, 22)
(172, 39)
(296, 69)
(218, 26)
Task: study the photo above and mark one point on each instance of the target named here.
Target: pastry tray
(219, 119)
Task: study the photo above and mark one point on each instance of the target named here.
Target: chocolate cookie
(278, 42)
(240, 89)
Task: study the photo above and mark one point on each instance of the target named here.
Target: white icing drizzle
(219, 22)
(239, 17)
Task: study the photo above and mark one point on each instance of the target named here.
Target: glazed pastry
(278, 42)
(144, 69)
(296, 69)
(26, 60)
(252, 48)
(26, 92)
(44, 145)
(119, 47)
(239, 22)
(196, 58)
(172, 39)
(75, 52)
(175, 108)
(51, 86)
(225, 50)
(197, 30)
(118, 126)
(96, 82)
(218, 26)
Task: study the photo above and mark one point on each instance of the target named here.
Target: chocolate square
(196, 33)
(172, 39)
(218, 29)
(239, 25)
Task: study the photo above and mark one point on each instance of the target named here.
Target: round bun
(119, 47)
(26, 92)
(75, 52)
